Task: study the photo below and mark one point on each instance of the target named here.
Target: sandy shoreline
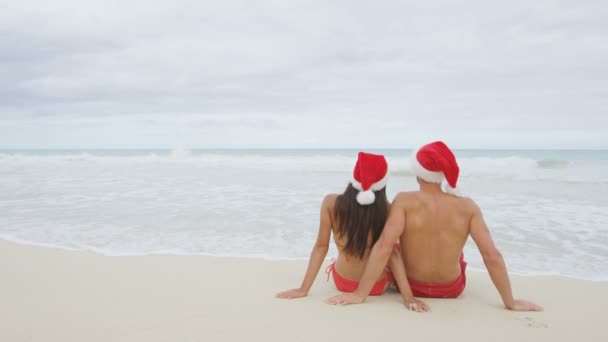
(54, 295)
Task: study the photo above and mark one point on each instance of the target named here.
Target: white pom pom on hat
(366, 197)
(370, 174)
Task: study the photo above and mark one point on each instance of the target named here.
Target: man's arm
(398, 270)
(495, 263)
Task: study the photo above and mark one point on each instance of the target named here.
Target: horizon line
(293, 148)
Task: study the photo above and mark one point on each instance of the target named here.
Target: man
(432, 227)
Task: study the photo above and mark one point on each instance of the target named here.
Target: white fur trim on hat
(379, 185)
(452, 191)
(366, 197)
(420, 171)
(356, 184)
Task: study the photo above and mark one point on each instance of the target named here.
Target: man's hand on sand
(344, 299)
(293, 293)
(416, 305)
(523, 305)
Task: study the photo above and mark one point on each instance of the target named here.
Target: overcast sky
(208, 74)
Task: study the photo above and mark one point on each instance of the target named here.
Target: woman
(356, 219)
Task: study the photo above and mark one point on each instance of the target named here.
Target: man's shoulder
(410, 198)
(407, 197)
(468, 204)
(402, 195)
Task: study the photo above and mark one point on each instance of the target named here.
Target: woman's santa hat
(370, 174)
(435, 162)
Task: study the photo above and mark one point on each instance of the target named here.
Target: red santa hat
(435, 162)
(370, 174)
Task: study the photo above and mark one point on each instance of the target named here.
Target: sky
(306, 74)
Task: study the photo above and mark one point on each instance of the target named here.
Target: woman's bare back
(348, 266)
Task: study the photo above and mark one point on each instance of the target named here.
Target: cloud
(319, 72)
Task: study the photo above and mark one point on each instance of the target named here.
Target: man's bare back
(435, 231)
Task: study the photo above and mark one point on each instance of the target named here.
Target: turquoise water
(547, 209)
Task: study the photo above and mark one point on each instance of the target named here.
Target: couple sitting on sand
(420, 236)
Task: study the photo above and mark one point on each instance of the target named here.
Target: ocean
(547, 209)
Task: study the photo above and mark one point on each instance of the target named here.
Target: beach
(167, 168)
(57, 295)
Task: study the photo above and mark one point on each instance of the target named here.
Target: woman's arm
(318, 254)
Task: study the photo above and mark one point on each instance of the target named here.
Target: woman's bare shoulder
(330, 199)
(329, 202)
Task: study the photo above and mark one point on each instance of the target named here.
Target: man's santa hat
(435, 162)
(370, 174)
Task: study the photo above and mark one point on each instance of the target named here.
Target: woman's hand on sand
(293, 293)
(416, 305)
(344, 299)
(523, 305)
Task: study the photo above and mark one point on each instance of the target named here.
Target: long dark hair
(356, 221)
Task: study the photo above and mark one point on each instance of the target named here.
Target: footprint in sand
(531, 322)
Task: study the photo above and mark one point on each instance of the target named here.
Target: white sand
(54, 295)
